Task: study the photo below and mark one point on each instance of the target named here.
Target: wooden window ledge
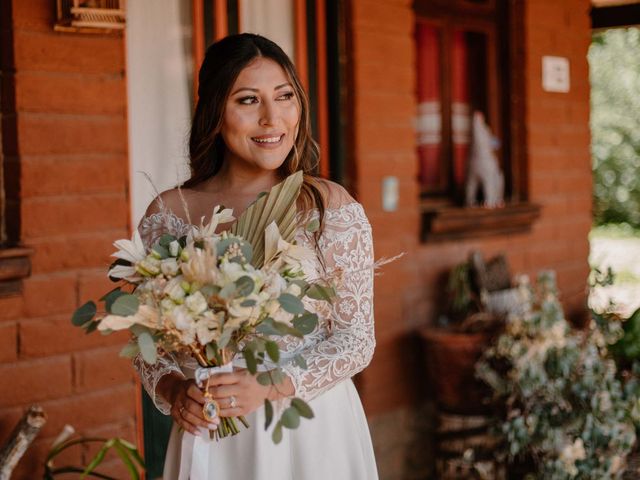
(453, 223)
(15, 265)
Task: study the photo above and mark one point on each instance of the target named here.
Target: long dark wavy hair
(223, 62)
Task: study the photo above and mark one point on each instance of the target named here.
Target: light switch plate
(390, 194)
(555, 74)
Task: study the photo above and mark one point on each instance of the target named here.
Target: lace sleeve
(347, 245)
(151, 228)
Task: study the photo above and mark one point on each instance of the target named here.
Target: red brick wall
(71, 145)
(408, 293)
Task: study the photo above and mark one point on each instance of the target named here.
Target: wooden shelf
(15, 265)
(453, 223)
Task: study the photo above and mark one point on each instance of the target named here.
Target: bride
(251, 128)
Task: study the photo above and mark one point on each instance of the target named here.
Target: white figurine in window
(483, 166)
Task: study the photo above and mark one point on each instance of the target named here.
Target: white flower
(167, 305)
(169, 267)
(130, 250)
(174, 248)
(145, 315)
(201, 265)
(174, 290)
(274, 284)
(208, 327)
(217, 218)
(184, 322)
(196, 303)
(241, 314)
(281, 315)
(231, 271)
(278, 251)
(294, 289)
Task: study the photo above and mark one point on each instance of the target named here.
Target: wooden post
(25, 432)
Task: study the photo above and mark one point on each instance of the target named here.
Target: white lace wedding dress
(336, 444)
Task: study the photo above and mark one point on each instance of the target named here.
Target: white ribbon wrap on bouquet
(194, 464)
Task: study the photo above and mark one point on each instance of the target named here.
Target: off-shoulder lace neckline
(311, 211)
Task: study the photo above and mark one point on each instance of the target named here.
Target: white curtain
(159, 82)
(273, 19)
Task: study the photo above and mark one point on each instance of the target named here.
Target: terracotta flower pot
(451, 358)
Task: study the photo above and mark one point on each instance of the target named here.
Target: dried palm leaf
(278, 205)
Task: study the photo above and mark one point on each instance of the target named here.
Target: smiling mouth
(268, 140)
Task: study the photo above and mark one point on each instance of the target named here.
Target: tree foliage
(614, 59)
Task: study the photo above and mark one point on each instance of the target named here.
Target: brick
(49, 294)
(71, 93)
(72, 251)
(93, 284)
(41, 337)
(68, 134)
(379, 77)
(382, 48)
(387, 109)
(61, 175)
(63, 52)
(8, 342)
(11, 307)
(36, 15)
(35, 380)
(390, 139)
(101, 368)
(48, 216)
(90, 410)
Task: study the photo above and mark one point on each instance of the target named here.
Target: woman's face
(261, 117)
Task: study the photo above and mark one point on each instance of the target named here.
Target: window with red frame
(461, 62)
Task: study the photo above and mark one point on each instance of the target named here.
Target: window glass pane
(433, 175)
(273, 19)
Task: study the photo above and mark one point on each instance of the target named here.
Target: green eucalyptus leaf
(321, 292)
(268, 413)
(111, 297)
(284, 329)
(244, 286)
(147, 348)
(250, 359)
(306, 323)
(277, 376)
(290, 418)
(291, 303)
(276, 436)
(84, 314)
(166, 239)
(91, 327)
(163, 252)
(268, 327)
(273, 351)
(302, 407)
(264, 378)
(130, 350)
(125, 305)
(300, 361)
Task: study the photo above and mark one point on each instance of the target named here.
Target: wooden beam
(612, 17)
(300, 54)
(220, 21)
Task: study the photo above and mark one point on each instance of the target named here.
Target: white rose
(167, 305)
(208, 327)
(169, 267)
(231, 271)
(196, 303)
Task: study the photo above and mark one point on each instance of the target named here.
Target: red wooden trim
(301, 60)
(322, 107)
(198, 43)
(220, 19)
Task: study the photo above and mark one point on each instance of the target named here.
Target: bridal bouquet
(216, 296)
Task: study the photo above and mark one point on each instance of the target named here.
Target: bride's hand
(239, 393)
(186, 401)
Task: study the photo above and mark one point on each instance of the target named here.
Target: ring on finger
(232, 402)
(181, 410)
